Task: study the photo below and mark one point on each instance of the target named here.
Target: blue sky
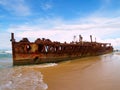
(60, 20)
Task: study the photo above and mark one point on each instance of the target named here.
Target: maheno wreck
(46, 51)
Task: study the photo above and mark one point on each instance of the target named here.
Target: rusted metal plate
(44, 50)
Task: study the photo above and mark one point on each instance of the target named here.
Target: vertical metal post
(13, 50)
(80, 38)
(74, 38)
(95, 39)
(91, 38)
(12, 37)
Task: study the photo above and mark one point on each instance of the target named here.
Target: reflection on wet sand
(90, 73)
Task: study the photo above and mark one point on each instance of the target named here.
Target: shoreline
(65, 76)
(91, 73)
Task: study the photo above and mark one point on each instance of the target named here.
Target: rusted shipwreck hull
(47, 51)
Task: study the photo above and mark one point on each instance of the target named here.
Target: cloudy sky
(60, 20)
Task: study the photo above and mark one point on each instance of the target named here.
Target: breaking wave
(5, 51)
(5, 60)
(42, 65)
(21, 78)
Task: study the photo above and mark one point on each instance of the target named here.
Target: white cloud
(46, 5)
(104, 29)
(108, 8)
(115, 42)
(17, 7)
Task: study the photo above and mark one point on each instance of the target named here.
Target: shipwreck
(44, 50)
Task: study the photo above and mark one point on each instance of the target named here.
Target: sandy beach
(91, 73)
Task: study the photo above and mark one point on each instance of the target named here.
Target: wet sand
(90, 73)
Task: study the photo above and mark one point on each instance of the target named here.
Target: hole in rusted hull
(36, 59)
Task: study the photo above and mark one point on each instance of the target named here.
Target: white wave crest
(5, 51)
(8, 51)
(45, 65)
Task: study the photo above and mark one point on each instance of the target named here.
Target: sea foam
(21, 78)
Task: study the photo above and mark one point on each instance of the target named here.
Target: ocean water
(5, 59)
(89, 73)
(20, 77)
